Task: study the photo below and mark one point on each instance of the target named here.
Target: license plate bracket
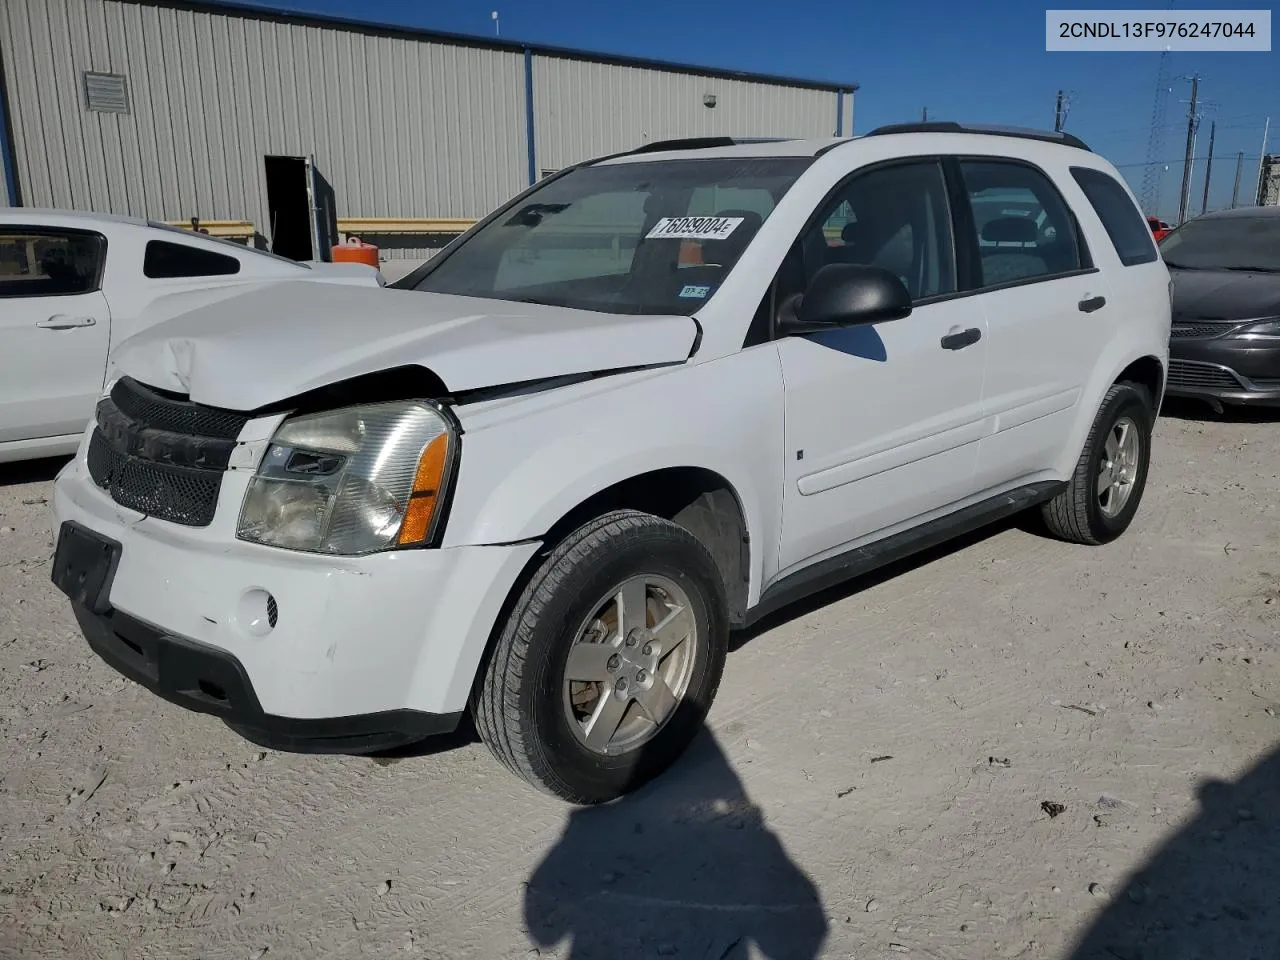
(84, 566)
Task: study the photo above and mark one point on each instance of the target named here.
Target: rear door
(882, 422)
(55, 329)
(1046, 307)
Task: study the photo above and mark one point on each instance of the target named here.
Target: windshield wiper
(1181, 266)
(1255, 269)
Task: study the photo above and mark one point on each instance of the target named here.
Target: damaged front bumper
(297, 651)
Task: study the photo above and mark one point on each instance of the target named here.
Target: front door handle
(61, 321)
(961, 339)
(1090, 304)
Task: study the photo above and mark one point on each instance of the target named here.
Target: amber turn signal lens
(416, 525)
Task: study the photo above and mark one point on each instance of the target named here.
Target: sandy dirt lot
(1012, 748)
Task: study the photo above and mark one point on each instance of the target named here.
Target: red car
(1158, 228)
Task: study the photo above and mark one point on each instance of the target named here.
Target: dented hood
(279, 340)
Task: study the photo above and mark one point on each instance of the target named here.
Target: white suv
(649, 400)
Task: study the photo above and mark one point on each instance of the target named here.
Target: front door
(55, 330)
(883, 422)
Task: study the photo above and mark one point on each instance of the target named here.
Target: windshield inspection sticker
(694, 228)
(695, 290)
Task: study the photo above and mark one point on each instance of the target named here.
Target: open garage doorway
(300, 203)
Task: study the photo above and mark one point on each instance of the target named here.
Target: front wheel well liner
(700, 500)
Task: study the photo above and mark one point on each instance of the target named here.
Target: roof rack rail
(950, 126)
(701, 143)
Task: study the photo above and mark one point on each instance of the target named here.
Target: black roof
(255, 11)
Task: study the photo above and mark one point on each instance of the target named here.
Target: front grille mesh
(157, 456)
(1183, 331)
(1183, 373)
(161, 410)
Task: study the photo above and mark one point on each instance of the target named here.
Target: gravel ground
(1010, 748)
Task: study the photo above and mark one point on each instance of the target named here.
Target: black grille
(162, 410)
(273, 611)
(162, 455)
(1183, 373)
(1189, 330)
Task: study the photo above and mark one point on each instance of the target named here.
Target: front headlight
(352, 481)
(1258, 330)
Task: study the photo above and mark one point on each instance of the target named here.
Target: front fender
(525, 471)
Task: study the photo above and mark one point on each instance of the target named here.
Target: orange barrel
(355, 250)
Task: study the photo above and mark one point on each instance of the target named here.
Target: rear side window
(39, 262)
(1025, 230)
(1129, 233)
(165, 261)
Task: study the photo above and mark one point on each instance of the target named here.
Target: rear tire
(549, 727)
(1116, 456)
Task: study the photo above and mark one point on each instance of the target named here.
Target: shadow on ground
(1211, 893)
(1198, 411)
(685, 866)
(31, 471)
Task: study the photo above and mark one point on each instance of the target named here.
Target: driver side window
(893, 217)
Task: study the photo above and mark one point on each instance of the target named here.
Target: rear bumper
(205, 679)
(1232, 371)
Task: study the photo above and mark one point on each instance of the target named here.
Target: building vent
(106, 92)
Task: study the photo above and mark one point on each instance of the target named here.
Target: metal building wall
(391, 121)
(584, 108)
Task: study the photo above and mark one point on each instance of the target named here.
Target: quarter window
(49, 263)
(166, 261)
(1120, 218)
(1023, 228)
(892, 217)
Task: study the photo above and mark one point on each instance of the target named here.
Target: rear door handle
(1090, 304)
(961, 339)
(61, 321)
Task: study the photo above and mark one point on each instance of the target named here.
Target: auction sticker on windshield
(694, 228)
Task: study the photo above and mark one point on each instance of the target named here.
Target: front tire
(1107, 485)
(608, 660)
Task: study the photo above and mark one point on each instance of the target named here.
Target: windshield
(637, 238)
(1228, 243)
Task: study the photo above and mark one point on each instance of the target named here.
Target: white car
(647, 401)
(74, 285)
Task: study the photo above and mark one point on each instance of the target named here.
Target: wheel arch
(1147, 372)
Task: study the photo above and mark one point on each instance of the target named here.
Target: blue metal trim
(528, 116)
(8, 154)
(269, 10)
(839, 113)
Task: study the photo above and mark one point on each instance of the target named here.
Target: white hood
(275, 341)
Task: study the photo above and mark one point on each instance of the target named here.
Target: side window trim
(1087, 264)
(44, 230)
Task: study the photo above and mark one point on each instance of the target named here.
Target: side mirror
(847, 295)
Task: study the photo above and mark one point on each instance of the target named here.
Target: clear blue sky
(968, 60)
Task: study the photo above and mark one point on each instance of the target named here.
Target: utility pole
(1235, 191)
(1192, 121)
(1262, 157)
(1057, 114)
(1208, 169)
(924, 115)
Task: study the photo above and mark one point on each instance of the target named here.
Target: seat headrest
(852, 233)
(1010, 230)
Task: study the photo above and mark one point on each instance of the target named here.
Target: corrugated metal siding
(390, 121)
(584, 109)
